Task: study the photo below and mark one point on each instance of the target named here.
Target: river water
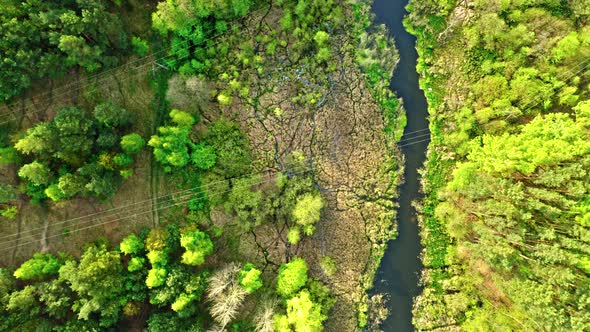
(400, 268)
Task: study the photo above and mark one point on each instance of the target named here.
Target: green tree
(174, 285)
(7, 285)
(40, 138)
(193, 23)
(136, 264)
(197, 245)
(38, 267)
(132, 143)
(80, 53)
(24, 301)
(169, 321)
(98, 282)
(132, 245)
(111, 115)
(246, 202)
(513, 204)
(566, 47)
(51, 37)
(294, 235)
(71, 184)
(250, 278)
(36, 172)
(303, 315)
(292, 277)
(158, 258)
(140, 46)
(156, 277)
(184, 303)
(231, 147)
(171, 146)
(203, 156)
(182, 119)
(75, 131)
(68, 145)
(54, 193)
(545, 141)
(122, 160)
(307, 211)
(56, 297)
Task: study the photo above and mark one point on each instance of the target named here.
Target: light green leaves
(292, 277)
(198, 246)
(38, 267)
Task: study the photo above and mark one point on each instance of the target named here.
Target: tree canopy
(76, 153)
(52, 37)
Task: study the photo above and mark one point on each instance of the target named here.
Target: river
(399, 272)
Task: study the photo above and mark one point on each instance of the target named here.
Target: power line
(404, 141)
(184, 199)
(398, 144)
(170, 196)
(582, 71)
(103, 75)
(413, 143)
(115, 209)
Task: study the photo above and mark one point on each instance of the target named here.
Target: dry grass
(343, 139)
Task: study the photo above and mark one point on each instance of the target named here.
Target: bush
(132, 143)
(8, 156)
(140, 46)
(7, 193)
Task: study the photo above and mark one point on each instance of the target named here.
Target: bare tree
(190, 94)
(264, 318)
(226, 296)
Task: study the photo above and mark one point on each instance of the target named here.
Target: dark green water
(400, 268)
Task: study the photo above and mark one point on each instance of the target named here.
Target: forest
(218, 165)
(505, 216)
(235, 165)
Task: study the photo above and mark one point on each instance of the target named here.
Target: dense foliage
(77, 153)
(307, 302)
(105, 286)
(47, 38)
(507, 243)
(192, 26)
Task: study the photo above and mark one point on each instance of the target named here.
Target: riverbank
(492, 77)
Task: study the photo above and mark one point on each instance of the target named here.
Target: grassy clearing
(129, 87)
